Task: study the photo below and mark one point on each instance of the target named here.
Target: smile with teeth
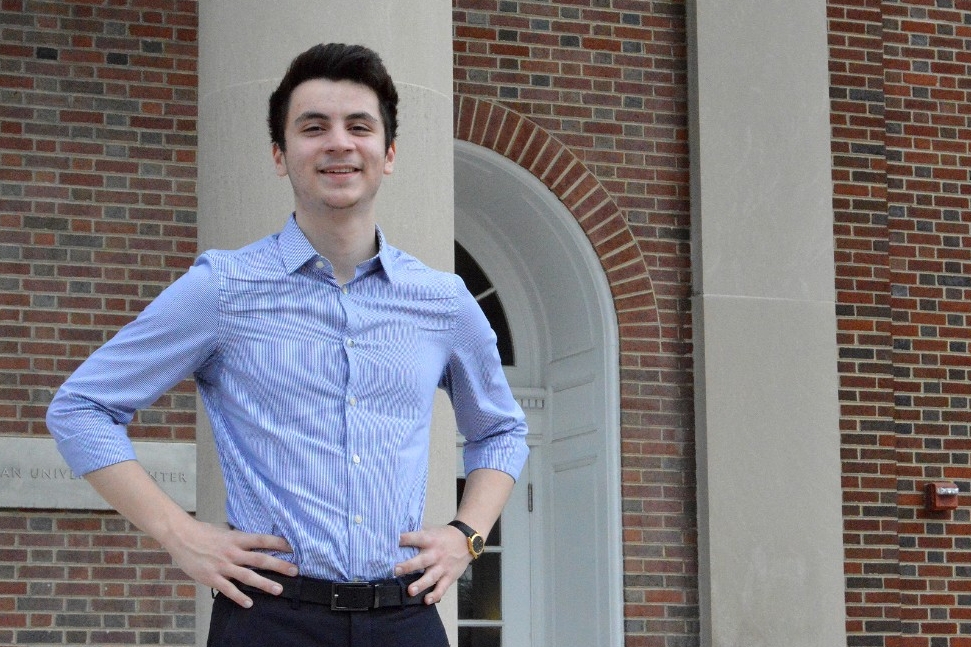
(339, 170)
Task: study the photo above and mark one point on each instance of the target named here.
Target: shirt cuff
(508, 457)
(93, 451)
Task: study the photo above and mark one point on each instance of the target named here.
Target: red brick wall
(864, 336)
(89, 579)
(927, 68)
(98, 205)
(899, 76)
(593, 95)
(97, 215)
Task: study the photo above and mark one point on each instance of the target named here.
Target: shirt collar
(386, 256)
(297, 250)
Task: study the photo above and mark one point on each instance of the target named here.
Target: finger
(414, 539)
(410, 566)
(250, 544)
(228, 589)
(251, 578)
(275, 564)
(250, 541)
(441, 587)
(426, 581)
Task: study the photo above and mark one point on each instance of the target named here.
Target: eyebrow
(310, 115)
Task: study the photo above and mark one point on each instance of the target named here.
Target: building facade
(733, 416)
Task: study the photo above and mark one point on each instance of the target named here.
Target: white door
(560, 561)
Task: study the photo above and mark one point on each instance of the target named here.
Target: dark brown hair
(336, 62)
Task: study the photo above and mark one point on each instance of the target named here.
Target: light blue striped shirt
(320, 395)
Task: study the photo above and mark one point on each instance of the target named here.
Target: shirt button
(352, 401)
(319, 264)
(350, 343)
(345, 289)
(358, 518)
(356, 459)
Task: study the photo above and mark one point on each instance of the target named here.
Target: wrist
(474, 541)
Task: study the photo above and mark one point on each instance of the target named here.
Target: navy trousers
(277, 622)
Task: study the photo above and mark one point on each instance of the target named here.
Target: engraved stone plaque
(34, 475)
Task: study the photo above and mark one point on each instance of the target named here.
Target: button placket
(355, 516)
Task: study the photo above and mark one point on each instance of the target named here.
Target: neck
(345, 242)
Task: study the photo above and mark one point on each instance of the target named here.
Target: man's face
(335, 155)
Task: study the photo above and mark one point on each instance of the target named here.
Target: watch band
(464, 527)
(475, 541)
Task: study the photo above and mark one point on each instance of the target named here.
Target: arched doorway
(557, 569)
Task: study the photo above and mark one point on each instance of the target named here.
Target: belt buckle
(354, 591)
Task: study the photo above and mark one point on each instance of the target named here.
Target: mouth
(339, 170)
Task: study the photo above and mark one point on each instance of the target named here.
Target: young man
(317, 352)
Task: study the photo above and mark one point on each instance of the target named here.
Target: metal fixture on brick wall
(941, 496)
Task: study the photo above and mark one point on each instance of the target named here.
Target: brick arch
(522, 141)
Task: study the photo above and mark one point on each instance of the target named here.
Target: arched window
(485, 293)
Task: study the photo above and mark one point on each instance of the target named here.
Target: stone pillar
(770, 541)
(244, 49)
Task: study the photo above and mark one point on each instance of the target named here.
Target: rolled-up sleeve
(170, 340)
(486, 412)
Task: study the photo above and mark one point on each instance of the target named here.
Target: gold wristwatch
(475, 540)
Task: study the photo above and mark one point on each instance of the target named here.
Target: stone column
(244, 49)
(770, 525)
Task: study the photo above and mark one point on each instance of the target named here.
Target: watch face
(478, 544)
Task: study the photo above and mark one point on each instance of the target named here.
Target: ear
(279, 160)
(389, 158)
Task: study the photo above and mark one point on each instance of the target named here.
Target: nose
(338, 139)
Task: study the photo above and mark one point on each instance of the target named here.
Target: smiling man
(317, 352)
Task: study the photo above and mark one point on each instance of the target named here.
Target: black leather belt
(344, 596)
